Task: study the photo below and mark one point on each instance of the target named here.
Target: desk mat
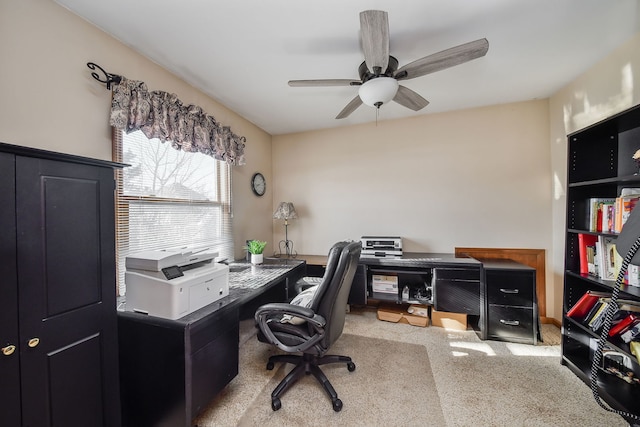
(380, 366)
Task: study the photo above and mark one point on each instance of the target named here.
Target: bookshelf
(600, 166)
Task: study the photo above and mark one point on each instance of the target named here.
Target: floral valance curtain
(162, 115)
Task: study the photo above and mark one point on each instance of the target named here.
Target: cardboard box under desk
(399, 314)
(444, 319)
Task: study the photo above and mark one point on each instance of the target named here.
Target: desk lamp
(627, 245)
(286, 211)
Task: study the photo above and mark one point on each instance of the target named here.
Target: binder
(583, 306)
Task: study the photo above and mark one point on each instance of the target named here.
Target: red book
(585, 240)
(623, 325)
(586, 302)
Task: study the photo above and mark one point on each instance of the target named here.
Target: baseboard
(551, 320)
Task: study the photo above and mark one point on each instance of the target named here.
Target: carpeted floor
(471, 382)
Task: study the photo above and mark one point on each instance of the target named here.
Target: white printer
(381, 246)
(172, 283)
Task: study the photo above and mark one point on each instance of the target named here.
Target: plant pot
(257, 258)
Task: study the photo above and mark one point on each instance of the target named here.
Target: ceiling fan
(379, 73)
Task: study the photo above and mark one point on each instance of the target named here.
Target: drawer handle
(510, 322)
(8, 350)
(509, 291)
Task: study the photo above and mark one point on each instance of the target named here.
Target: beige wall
(609, 87)
(490, 176)
(49, 99)
(478, 177)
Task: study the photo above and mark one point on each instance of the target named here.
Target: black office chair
(323, 322)
(307, 282)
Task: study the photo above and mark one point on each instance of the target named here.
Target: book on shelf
(629, 305)
(596, 307)
(618, 264)
(627, 321)
(608, 217)
(605, 253)
(599, 211)
(585, 304)
(596, 320)
(592, 260)
(632, 276)
(624, 205)
(584, 242)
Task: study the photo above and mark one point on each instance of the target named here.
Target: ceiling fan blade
(410, 99)
(350, 108)
(444, 59)
(324, 82)
(374, 30)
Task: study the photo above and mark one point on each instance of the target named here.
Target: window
(169, 198)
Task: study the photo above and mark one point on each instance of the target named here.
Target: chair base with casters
(307, 327)
(307, 364)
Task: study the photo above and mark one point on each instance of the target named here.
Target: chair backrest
(331, 298)
(332, 260)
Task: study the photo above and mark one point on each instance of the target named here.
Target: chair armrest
(314, 321)
(277, 308)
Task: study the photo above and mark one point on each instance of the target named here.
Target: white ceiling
(243, 52)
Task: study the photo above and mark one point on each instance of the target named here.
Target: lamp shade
(285, 211)
(378, 91)
(628, 235)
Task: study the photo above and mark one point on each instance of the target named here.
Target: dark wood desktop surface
(425, 258)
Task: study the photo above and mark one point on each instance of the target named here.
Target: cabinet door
(9, 363)
(457, 290)
(66, 278)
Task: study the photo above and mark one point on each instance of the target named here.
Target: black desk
(171, 369)
(454, 280)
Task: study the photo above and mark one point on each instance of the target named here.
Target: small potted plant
(255, 248)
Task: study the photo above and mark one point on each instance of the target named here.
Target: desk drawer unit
(512, 313)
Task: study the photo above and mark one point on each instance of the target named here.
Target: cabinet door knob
(509, 291)
(510, 322)
(8, 350)
(33, 342)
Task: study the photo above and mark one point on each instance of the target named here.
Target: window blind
(168, 198)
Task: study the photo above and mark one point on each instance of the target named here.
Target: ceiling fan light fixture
(378, 91)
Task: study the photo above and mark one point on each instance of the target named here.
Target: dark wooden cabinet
(58, 328)
(171, 369)
(511, 306)
(600, 165)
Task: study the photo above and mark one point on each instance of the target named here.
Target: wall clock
(258, 184)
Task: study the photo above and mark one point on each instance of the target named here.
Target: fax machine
(172, 283)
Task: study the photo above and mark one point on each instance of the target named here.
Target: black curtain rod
(108, 77)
